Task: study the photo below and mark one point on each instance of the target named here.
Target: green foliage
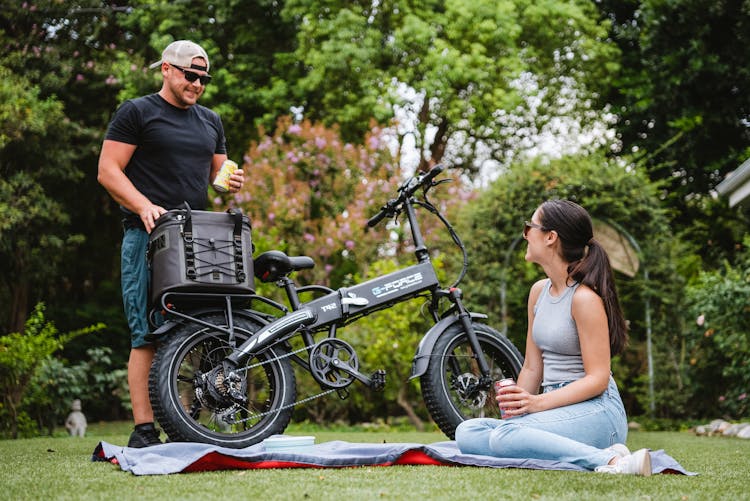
(293, 175)
(46, 63)
(452, 67)
(56, 384)
(21, 354)
(718, 343)
(681, 107)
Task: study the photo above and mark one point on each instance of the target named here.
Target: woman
(575, 327)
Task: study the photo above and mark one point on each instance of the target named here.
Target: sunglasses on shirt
(192, 76)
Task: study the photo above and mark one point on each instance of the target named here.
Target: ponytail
(594, 271)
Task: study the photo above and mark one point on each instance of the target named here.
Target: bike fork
(465, 319)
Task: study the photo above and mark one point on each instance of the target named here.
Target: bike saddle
(272, 265)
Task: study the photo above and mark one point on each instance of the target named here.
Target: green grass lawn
(61, 468)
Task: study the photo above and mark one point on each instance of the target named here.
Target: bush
(720, 338)
(21, 355)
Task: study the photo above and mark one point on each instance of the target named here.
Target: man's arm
(113, 159)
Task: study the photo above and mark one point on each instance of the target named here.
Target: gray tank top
(555, 333)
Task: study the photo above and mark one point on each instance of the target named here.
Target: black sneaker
(144, 435)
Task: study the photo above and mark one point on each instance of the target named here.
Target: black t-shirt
(175, 146)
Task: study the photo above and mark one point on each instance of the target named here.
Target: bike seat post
(291, 292)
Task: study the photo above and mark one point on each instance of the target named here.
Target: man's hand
(149, 214)
(236, 180)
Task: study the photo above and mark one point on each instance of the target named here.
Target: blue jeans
(135, 279)
(576, 433)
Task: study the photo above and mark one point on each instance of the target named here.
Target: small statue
(76, 422)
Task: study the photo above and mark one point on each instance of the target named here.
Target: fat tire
(169, 380)
(452, 349)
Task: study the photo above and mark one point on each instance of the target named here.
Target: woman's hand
(515, 401)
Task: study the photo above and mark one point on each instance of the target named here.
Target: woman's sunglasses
(192, 76)
(527, 225)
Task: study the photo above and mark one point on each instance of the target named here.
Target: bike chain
(288, 406)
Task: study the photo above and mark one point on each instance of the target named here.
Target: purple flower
(294, 129)
(309, 237)
(349, 244)
(742, 396)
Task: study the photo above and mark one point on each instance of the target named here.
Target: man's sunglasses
(192, 76)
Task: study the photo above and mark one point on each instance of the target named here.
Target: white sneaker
(637, 463)
(619, 450)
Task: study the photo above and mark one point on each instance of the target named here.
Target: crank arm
(377, 382)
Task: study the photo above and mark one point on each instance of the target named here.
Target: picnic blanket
(186, 457)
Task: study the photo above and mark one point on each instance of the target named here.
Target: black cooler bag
(201, 251)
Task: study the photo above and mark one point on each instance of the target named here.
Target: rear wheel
(451, 384)
(194, 401)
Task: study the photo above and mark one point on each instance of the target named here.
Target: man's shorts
(135, 283)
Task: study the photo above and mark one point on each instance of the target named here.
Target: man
(160, 151)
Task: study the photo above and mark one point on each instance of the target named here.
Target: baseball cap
(181, 53)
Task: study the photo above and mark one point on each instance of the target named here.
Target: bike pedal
(377, 380)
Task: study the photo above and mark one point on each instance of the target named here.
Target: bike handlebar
(407, 190)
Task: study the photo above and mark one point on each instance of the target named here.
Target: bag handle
(239, 267)
(187, 237)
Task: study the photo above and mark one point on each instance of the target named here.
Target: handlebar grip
(432, 174)
(376, 219)
(425, 180)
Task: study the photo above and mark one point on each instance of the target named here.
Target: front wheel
(194, 401)
(451, 384)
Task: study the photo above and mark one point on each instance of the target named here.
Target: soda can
(502, 383)
(221, 183)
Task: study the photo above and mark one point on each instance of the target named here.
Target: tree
(55, 80)
(458, 69)
(682, 108)
(34, 225)
(73, 63)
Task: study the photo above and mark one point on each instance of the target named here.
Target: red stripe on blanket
(214, 461)
(418, 457)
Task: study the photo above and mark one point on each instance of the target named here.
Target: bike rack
(200, 297)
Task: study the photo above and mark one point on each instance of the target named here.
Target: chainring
(323, 359)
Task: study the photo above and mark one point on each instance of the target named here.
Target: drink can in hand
(221, 183)
(502, 383)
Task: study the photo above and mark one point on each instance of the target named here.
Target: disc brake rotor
(466, 386)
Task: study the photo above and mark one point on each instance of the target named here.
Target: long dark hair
(588, 261)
